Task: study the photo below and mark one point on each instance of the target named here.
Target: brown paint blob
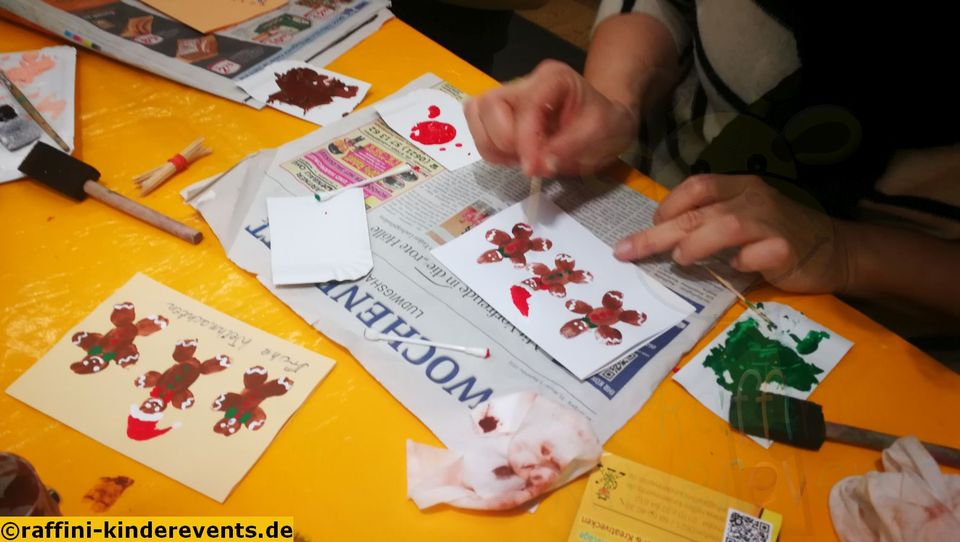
(488, 423)
(503, 471)
(306, 89)
(103, 495)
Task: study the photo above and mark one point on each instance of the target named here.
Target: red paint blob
(459, 145)
(431, 132)
(520, 297)
(443, 148)
(433, 112)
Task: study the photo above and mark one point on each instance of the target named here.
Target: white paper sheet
(433, 121)
(47, 77)
(264, 86)
(795, 331)
(316, 241)
(586, 309)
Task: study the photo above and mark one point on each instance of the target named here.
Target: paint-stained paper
(433, 121)
(792, 359)
(562, 287)
(313, 241)
(180, 387)
(305, 91)
(47, 78)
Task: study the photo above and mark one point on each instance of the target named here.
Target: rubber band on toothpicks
(150, 180)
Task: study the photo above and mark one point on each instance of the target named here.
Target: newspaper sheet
(410, 294)
(314, 31)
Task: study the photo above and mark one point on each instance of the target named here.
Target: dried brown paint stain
(488, 423)
(503, 471)
(105, 494)
(306, 89)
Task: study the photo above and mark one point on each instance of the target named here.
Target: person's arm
(632, 60)
(892, 263)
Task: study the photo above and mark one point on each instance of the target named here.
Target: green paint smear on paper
(751, 359)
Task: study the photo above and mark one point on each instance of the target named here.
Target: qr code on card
(743, 528)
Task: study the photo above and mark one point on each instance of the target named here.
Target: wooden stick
(150, 180)
(875, 440)
(536, 184)
(122, 203)
(753, 308)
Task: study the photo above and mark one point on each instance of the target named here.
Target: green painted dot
(109, 356)
(95, 350)
(246, 417)
(231, 412)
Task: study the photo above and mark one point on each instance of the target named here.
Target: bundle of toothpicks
(149, 181)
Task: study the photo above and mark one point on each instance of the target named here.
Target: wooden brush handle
(837, 432)
(122, 203)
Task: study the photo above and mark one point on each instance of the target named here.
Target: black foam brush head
(59, 170)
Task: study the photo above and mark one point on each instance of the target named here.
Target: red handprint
(513, 247)
(117, 344)
(601, 318)
(244, 408)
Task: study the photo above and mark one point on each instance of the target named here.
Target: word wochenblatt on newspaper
(314, 31)
(410, 294)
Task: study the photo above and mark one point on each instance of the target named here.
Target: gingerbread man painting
(602, 318)
(243, 409)
(172, 387)
(553, 280)
(117, 344)
(513, 247)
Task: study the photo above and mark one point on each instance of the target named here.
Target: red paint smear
(459, 145)
(520, 297)
(431, 132)
(488, 354)
(443, 148)
(433, 112)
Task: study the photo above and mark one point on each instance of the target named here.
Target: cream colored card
(178, 386)
(632, 502)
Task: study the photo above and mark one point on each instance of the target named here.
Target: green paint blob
(751, 359)
(109, 356)
(95, 350)
(231, 412)
(811, 342)
(246, 416)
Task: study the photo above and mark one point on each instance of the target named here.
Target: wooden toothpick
(753, 308)
(534, 202)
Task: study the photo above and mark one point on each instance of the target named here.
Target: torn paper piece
(789, 360)
(305, 91)
(313, 241)
(433, 121)
(524, 447)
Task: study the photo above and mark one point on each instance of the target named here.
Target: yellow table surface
(338, 466)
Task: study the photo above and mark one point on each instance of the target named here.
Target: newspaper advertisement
(409, 294)
(315, 31)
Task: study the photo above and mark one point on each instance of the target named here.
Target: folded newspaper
(314, 31)
(411, 294)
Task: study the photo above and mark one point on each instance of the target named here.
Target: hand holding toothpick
(753, 308)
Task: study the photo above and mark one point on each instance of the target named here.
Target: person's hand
(550, 122)
(794, 247)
